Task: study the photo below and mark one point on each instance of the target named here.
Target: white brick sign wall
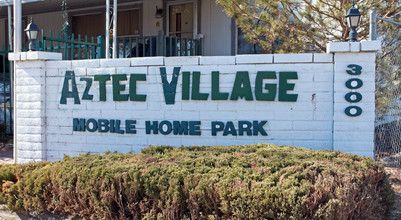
(319, 101)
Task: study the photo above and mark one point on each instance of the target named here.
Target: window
(182, 20)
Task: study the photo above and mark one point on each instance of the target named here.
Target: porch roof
(44, 6)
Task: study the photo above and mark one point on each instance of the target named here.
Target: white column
(354, 75)
(17, 26)
(107, 29)
(30, 102)
(115, 29)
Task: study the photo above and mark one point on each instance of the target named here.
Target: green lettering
(196, 95)
(65, 93)
(165, 127)
(151, 126)
(130, 126)
(242, 87)
(78, 124)
(245, 126)
(169, 89)
(117, 129)
(230, 129)
(272, 88)
(180, 128)
(103, 125)
(216, 94)
(92, 128)
(258, 128)
(102, 85)
(185, 85)
(132, 87)
(86, 95)
(284, 86)
(118, 88)
(194, 128)
(216, 127)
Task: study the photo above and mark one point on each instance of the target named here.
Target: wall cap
(34, 55)
(354, 47)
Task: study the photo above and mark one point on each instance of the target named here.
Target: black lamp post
(32, 33)
(353, 18)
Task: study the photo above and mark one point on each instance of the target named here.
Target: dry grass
(395, 180)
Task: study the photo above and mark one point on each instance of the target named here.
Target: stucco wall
(316, 118)
(49, 21)
(151, 24)
(216, 27)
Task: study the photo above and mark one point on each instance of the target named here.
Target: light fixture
(32, 33)
(159, 12)
(353, 18)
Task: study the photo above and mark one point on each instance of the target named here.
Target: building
(192, 19)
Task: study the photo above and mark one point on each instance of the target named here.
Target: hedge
(260, 181)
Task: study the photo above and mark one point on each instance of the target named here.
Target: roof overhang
(11, 2)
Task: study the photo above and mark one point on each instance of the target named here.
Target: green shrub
(260, 181)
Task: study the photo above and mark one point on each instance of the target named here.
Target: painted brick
(96, 71)
(14, 56)
(355, 57)
(31, 138)
(31, 154)
(323, 58)
(30, 64)
(52, 72)
(217, 60)
(312, 125)
(131, 70)
(30, 122)
(179, 61)
(40, 55)
(355, 46)
(115, 62)
(85, 64)
(65, 64)
(147, 61)
(334, 47)
(30, 129)
(293, 58)
(28, 105)
(371, 45)
(29, 146)
(254, 59)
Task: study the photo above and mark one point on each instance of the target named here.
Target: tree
(279, 26)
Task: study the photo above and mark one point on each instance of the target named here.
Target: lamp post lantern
(32, 33)
(353, 18)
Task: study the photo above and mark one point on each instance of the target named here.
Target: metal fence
(6, 107)
(72, 48)
(388, 95)
(160, 45)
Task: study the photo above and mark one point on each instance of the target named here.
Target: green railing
(6, 107)
(160, 45)
(73, 48)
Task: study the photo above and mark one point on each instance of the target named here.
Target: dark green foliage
(3, 131)
(289, 26)
(260, 181)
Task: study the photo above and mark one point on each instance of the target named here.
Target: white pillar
(107, 29)
(10, 27)
(17, 25)
(114, 29)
